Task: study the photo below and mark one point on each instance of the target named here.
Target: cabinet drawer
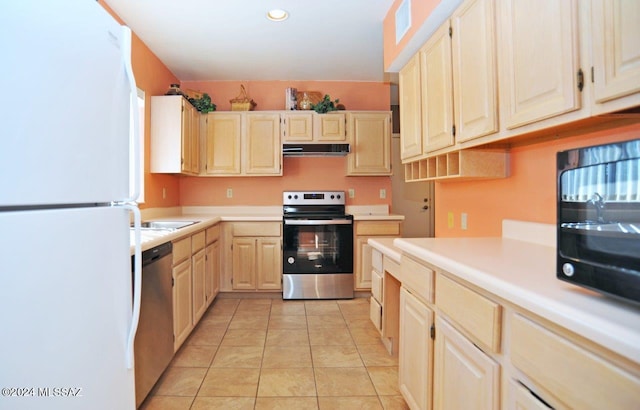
(256, 229)
(197, 241)
(418, 278)
(376, 285)
(379, 228)
(579, 378)
(375, 313)
(391, 266)
(213, 234)
(376, 260)
(181, 250)
(476, 314)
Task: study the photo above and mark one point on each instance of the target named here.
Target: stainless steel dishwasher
(153, 345)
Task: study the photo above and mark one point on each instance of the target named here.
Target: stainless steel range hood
(315, 150)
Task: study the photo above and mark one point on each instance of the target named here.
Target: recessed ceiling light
(277, 15)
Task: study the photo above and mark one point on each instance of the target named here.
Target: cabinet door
(370, 139)
(474, 70)
(616, 48)
(415, 362)
(437, 91)
(244, 262)
(194, 135)
(187, 140)
(182, 312)
(297, 127)
(363, 263)
(330, 127)
(212, 271)
(410, 122)
(538, 59)
(199, 291)
(269, 264)
(464, 377)
(262, 149)
(223, 143)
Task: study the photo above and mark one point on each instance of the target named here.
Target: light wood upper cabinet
(262, 141)
(616, 54)
(410, 120)
(437, 91)
(539, 60)
(330, 127)
(175, 130)
(370, 140)
(243, 144)
(297, 126)
(309, 126)
(475, 87)
(464, 377)
(223, 143)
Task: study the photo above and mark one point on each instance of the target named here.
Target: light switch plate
(383, 193)
(352, 193)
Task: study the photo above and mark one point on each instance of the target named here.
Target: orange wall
(270, 95)
(308, 173)
(528, 194)
(153, 77)
(420, 10)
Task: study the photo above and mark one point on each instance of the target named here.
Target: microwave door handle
(317, 222)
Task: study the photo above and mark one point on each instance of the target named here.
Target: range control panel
(313, 198)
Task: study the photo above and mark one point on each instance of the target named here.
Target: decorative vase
(305, 103)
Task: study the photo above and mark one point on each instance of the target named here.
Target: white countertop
(523, 273)
(209, 215)
(386, 246)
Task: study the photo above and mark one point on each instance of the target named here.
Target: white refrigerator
(68, 307)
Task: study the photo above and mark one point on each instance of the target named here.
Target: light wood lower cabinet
(415, 363)
(182, 291)
(363, 230)
(195, 268)
(256, 252)
(464, 376)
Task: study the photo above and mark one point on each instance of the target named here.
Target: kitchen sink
(166, 225)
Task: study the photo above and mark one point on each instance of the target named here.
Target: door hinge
(450, 31)
(172, 282)
(580, 79)
(432, 332)
(453, 130)
(593, 76)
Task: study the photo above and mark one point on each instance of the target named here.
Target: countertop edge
(386, 247)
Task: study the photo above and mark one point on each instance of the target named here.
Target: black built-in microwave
(598, 220)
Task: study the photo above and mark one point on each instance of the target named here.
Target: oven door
(313, 246)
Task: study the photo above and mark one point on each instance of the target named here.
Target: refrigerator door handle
(137, 282)
(135, 110)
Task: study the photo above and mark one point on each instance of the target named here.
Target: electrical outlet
(450, 222)
(463, 221)
(229, 193)
(383, 193)
(164, 193)
(352, 193)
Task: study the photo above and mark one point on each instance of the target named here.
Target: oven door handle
(318, 222)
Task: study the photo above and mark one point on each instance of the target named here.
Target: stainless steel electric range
(317, 246)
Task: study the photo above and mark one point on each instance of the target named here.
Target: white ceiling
(200, 40)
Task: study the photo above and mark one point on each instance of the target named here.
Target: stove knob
(338, 196)
(332, 196)
(568, 269)
(289, 196)
(295, 197)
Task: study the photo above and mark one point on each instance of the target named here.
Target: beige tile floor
(275, 354)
